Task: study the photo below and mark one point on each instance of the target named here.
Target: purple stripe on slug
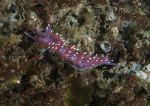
(55, 43)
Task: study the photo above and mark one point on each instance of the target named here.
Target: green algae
(78, 93)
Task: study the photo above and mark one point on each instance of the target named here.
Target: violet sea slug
(68, 53)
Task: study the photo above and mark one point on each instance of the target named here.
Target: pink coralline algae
(68, 53)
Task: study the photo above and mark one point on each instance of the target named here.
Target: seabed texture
(32, 76)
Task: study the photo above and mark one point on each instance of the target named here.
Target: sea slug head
(46, 37)
(41, 37)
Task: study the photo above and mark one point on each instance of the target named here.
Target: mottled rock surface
(30, 75)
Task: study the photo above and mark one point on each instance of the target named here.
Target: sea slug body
(56, 44)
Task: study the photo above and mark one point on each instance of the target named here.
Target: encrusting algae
(35, 74)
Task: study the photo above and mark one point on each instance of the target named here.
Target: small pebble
(105, 46)
(148, 67)
(136, 67)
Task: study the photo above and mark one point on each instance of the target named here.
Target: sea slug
(68, 53)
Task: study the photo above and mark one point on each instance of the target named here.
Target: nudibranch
(68, 53)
